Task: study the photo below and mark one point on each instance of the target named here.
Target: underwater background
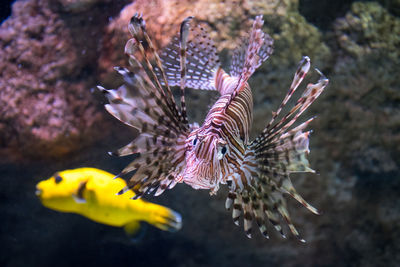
(54, 53)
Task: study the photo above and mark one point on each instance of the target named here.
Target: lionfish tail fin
(192, 54)
(144, 104)
(276, 153)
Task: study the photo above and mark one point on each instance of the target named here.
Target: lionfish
(170, 150)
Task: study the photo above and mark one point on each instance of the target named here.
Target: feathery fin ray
(146, 103)
(258, 182)
(201, 55)
(278, 151)
(248, 57)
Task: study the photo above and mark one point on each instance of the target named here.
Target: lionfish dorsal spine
(183, 37)
(278, 151)
(249, 56)
(201, 55)
(169, 150)
(145, 102)
(137, 29)
(300, 73)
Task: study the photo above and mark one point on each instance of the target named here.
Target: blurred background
(54, 53)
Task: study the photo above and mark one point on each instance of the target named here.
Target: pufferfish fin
(132, 228)
(144, 104)
(79, 195)
(271, 157)
(201, 56)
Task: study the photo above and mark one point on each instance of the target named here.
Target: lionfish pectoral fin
(263, 201)
(160, 159)
(278, 151)
(145, 102)
(196, 49)
(288, 187)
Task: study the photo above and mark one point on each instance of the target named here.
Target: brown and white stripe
(170, 150)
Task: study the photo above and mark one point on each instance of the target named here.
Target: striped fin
(201, 59)
(238, 58)
(142, 42)
(301, 72)
(273, 131)
(256, 203)
(143, 103)
(277, 152)
(183, 36)
(250, 55)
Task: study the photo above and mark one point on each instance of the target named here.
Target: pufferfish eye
(57, 178)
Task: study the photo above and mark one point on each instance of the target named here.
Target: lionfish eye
(223, 150)
(195, 141)
(57, 178)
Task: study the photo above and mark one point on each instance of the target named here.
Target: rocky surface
(48, 64)
(226, 24)
(365, 93)
(355, 144)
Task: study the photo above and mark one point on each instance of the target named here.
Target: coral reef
(358, 131)
(364, 96)
(47, 65)
(368, 28)
(47, 69)
(77, 6)
(226, 24)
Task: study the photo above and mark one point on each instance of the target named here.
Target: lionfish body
(170, 150)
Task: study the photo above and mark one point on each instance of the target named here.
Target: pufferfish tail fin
(159, 216)
(144, 104)
(164, 218)
(276, 153)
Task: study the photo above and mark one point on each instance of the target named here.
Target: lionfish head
(205, 160)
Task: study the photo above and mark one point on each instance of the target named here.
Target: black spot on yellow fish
(58, 179)
(81, 189)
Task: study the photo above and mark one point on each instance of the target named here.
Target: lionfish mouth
(201, 174)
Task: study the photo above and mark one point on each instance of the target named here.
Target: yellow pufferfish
(92, 192)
